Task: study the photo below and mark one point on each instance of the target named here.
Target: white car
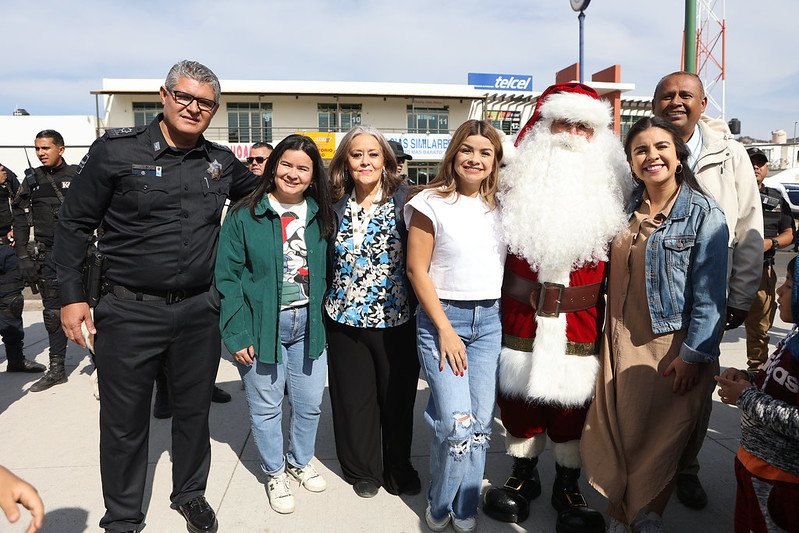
(787, 182)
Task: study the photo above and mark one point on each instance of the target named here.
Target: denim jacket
(686, 273)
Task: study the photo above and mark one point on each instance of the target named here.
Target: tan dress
(637, 427)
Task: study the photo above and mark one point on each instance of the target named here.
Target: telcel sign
(501, 82)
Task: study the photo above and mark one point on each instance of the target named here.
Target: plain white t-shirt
(468, 255)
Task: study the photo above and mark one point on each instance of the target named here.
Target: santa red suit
(549, 391)
(561, 194)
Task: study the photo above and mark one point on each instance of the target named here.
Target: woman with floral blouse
(373, 368)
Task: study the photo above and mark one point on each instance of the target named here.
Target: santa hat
(572, 102)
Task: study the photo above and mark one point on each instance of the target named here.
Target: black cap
(755, 154)
(399, 153)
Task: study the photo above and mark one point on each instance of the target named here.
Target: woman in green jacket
(271, 274)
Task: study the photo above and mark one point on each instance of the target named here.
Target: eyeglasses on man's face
(258, 159)
(185, 100)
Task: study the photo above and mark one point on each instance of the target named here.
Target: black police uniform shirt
(37, 198)
(777, 216)
(159, 206)
(8, 190)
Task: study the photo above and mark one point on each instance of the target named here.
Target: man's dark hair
(58, 140)
(680, 73)
(261, 144)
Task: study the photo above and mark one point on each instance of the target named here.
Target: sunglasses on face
(260, 160)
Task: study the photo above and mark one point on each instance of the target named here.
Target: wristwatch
(775, 244)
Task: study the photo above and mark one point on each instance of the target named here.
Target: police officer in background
(259, 155)
(36, 207)
(778, 232)
(11, 284)
(157, 191)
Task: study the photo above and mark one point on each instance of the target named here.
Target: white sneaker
(464, 525)
(650, 522)
(280, 497)
(432, 524)
(308, 477)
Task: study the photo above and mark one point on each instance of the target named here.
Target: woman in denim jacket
(666, 302)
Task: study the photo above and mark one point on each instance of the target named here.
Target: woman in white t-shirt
(455, 264)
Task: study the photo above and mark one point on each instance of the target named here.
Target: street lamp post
(795, 146)
(581, 6)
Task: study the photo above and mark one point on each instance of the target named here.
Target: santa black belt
(523, 344)
(550, 299)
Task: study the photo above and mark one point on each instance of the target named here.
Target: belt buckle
(542, 296)
(175, 296)
(514, 483)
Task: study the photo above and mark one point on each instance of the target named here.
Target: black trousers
(134, 339)
(48, 286)
(11, 301)
(373, 374)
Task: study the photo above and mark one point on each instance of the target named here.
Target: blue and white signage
(422, 146)
(501, 82)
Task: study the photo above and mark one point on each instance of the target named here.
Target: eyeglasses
(185, 99)
(259, 159)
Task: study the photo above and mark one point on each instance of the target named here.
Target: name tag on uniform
(146, 170)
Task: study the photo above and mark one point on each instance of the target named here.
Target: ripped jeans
(461, 409)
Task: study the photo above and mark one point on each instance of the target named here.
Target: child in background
(767, 462)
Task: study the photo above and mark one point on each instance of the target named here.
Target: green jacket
(249, 277)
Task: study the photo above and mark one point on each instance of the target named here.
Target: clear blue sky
(54, 53)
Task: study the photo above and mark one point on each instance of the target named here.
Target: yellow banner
(325, 141)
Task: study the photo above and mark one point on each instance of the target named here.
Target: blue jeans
(461, 409)
(264, 385)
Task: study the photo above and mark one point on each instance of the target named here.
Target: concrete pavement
(51, 440)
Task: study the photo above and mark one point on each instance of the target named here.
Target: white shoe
(280, 497)
(650, 522)
(464, 525)
(308, 477)
(432, 524)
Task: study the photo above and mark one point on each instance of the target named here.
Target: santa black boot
(511, 503)
(574, 515)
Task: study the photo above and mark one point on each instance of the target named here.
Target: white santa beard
(561, 206)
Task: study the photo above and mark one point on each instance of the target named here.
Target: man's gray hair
(194, 71)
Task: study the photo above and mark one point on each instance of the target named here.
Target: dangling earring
(679, 169)
(385, 174)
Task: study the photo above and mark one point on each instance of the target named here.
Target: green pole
(689, 59)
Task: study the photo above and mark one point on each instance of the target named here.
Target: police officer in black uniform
(36, 207)
(11, 284)
(158, 192)
(778, 232)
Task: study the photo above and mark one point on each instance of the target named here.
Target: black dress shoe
(220, 396)
(690, 491)
(200, 518)
(25, 365)
(365, 489)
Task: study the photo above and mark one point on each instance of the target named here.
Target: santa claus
(562, 194)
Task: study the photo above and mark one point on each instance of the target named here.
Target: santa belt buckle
(542, 296)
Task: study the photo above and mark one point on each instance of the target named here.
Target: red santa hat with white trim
(573, 102)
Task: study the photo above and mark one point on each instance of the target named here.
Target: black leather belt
(171, 296)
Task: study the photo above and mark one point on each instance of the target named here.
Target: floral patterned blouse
(369, 285)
